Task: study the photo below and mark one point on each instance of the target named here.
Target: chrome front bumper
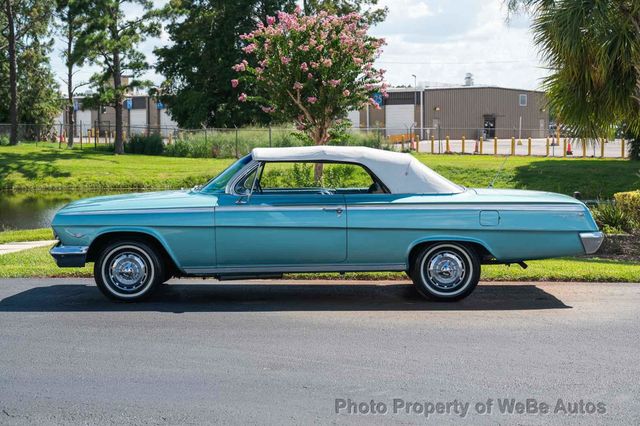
(591, 241)
(69, 256)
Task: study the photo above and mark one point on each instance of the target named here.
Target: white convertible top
(401, 173)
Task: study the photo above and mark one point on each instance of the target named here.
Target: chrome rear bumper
(591, 241)
(69, 256)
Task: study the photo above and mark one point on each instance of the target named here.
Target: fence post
(547, 146)
(463, 141)
(513, 145)
(269, 135)
(433, 144)
(622, 148)
(481, 142)
(495, 145)
(447, 147)
(529, 147)
(602, 141)
(584, 148)
(564, 148)
(237, 156)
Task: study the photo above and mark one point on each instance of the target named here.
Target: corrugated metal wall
(461, 111)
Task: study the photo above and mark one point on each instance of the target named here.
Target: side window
(334, 177)
(245, 185)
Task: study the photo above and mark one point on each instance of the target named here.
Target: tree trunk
(117, 83)
(319, 138)
(70, 121)
(13, 75)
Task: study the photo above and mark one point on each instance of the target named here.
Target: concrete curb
(24, 245)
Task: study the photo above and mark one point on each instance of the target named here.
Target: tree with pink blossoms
(311, 70)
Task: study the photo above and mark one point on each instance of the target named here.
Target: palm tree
(592, 48)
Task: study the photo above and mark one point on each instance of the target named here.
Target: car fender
(140, 230)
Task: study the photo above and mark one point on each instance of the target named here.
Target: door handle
(338, 210)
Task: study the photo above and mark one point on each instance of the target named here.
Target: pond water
(31, 210)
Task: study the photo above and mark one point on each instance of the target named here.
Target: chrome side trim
(387, 207)
(141, 211)
(250, 208)
(591, 241)
(297, 268)
(471, 206)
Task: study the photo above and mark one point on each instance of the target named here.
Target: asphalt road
(283, 352)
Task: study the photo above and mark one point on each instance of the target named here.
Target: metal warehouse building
(469, 111)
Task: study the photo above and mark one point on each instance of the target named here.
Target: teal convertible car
(319, 209)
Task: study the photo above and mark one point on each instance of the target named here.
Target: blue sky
(438, 41)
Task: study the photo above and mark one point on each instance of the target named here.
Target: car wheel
(128, 271)
(446, 271)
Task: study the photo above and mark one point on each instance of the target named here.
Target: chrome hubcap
(446, 270)
(128, 271)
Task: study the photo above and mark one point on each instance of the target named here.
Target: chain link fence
(235, 142)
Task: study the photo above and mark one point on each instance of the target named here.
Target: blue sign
(76, 105)
(159, 105)
(378, 98)
(128, 103)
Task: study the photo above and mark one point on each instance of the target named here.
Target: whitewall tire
(446, 271)
(129, 271)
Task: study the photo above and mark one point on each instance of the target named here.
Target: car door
(293, 228)
(379, 232)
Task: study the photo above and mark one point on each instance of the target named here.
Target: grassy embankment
(45, 167)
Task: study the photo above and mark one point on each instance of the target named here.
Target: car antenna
(495, 177)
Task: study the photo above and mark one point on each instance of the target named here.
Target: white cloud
(465, 36)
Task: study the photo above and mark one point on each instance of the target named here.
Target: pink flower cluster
(336, 56)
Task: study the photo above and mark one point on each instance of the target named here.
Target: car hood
(142, 201)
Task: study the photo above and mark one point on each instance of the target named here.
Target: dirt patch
(620, 247)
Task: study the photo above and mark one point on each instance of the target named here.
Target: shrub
(148, 145)
(179, 148)
(4, 140)
(629, 204)
(612, 219)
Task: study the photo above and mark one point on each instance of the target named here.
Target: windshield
(219, 182)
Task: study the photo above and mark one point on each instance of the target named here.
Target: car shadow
(274, 297)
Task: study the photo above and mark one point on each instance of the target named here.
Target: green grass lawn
(38, 263)
(42, 234)
(29, 168)
(45, 167)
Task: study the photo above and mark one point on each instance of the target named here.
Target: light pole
(415, 97)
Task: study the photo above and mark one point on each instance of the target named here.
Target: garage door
(83, 121)
(138, 121)
(398, 118)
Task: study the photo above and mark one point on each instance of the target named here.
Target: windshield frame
(219, 183)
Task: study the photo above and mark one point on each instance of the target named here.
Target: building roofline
(482, 87)
(420, 89)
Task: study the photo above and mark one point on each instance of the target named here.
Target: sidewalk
(25, 245)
